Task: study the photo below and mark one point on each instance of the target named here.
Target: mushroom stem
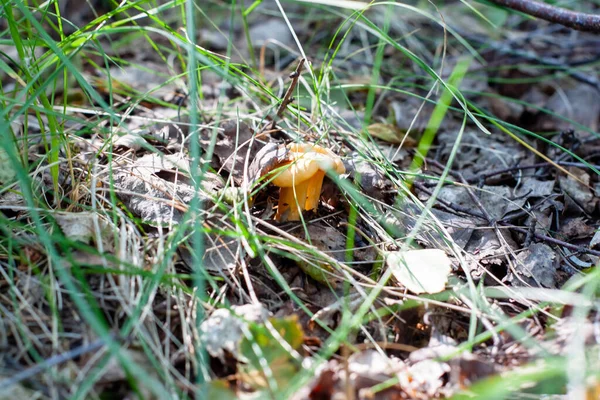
(313, 194)
(291, 201)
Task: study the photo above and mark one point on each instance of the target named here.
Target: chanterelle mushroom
(302, 180)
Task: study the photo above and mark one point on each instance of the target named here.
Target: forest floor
(146, 250)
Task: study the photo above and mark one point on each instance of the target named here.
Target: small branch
(513, 50)
(571, 19)
(483, 177)
(49, 363)
(287, 98)
(558, 242)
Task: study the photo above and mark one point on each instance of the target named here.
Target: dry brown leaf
(391, 134)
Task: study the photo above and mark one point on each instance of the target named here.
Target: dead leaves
(86, 227)
(495, 225)
(157, 188)
(236, 147)
(223, 331)
(369, 374)
(537, 266)
(578, 194)
(262, 348)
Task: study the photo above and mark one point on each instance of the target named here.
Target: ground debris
(235, 147)
(576, 187)
(157, 188)
(536, 266)
(223, 330)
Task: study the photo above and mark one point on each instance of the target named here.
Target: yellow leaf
(390, 133)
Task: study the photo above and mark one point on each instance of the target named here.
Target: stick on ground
(571, 19)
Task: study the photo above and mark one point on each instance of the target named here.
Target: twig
(504, 225)
(287, 98)
(453, 207)
(531, 56)
(471, 194)
(485, 176)
(50, 362)
(549, 239)
(571, 19)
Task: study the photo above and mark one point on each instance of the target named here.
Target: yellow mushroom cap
(306, 160)
(302, 179)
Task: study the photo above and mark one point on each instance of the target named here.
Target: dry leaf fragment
(368, 176)
(424, 379)
(537, 265)
(421, 271)
(81, 227)
(133, 141)
(595, 240)
(391, 134)
(234, 144)
(578, 189)
(580, 104)
(7, 170)
(223, 330)
(157, 187)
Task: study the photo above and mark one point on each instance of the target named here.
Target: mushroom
(302, 179)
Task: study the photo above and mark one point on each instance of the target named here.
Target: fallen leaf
(493, 198)
(269, 349)
(12, 200)
(595, 240)
(80, 227)
(324, 386)
(132, 141)
(580, 104)
(155, 200)
(233, 140)
(460, 229)
(265, 161)
(220, 254)
(424, 379)
(390, 133)
(328, 240)
(372, 180)
(7, 170)
(421, 271)
(361, 373)
(578, 190)
(528, 189)
(487, 247)
(224, 329)
(575, 228)
(537, 265)
(481, 154)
